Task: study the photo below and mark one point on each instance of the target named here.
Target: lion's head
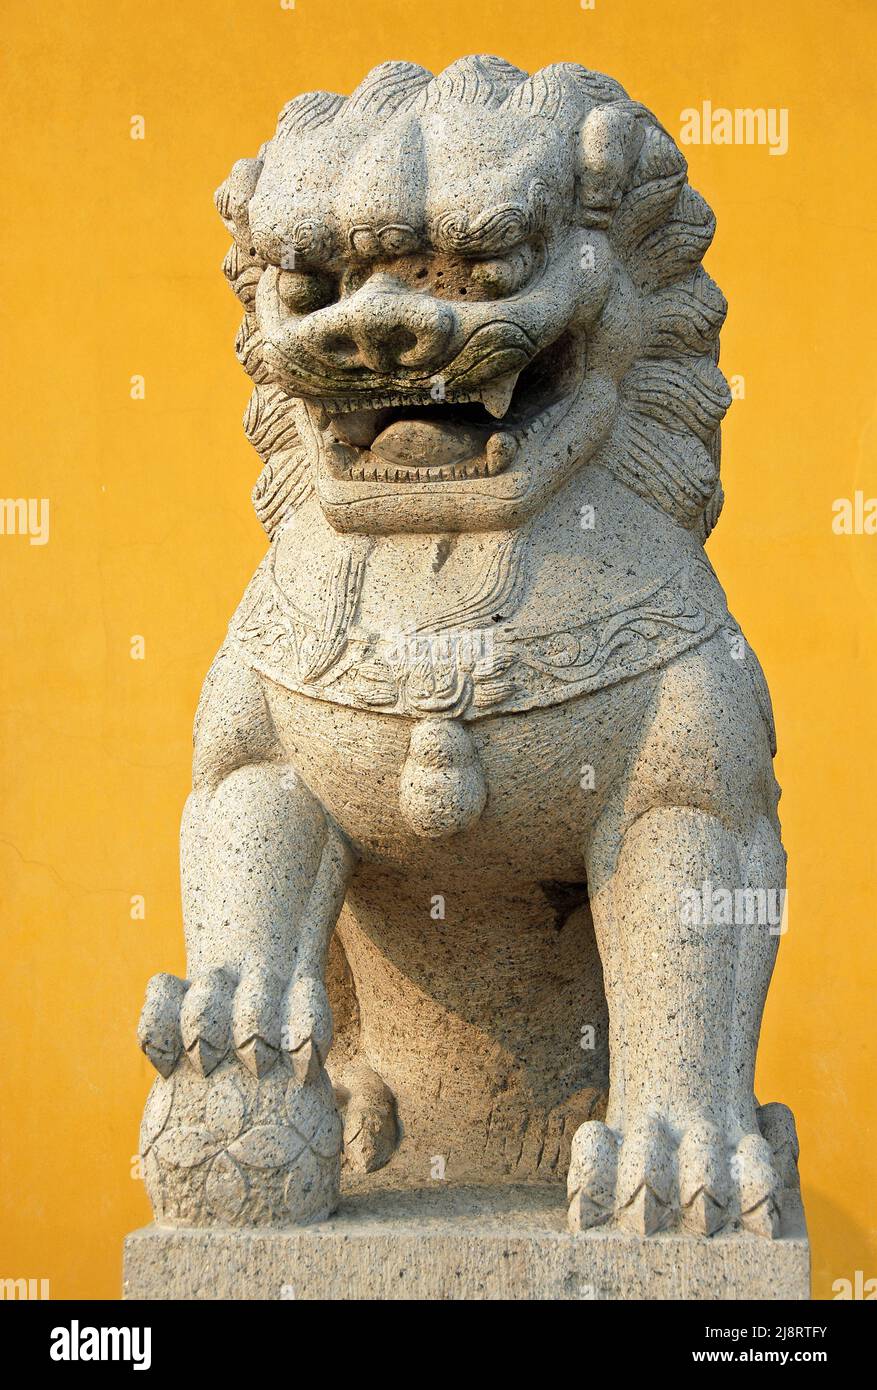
(459, 289)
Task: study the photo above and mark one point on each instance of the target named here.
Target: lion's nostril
(338, 345)
(401, 340)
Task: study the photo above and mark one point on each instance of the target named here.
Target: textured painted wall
(112, 250)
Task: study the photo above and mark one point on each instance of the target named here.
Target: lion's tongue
(428, 443)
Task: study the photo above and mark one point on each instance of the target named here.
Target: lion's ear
(609, 142)
(232, 198)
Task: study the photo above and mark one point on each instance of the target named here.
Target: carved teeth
(343, 405)
(474, 468)
(497, 396)
(540, 422)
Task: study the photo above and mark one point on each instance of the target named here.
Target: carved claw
(645, 1213)
(703, 1215)
(583, 1213)
(764, 1219)
(759, 1186)
(256, 1021)
(645, 1178)
(204, 1020)
(158, 1031)
(704, 1180)
(591, 1179)
(308, 1016)
(306, 1062)
(777, 1124)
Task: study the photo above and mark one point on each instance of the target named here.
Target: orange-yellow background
(111, 255)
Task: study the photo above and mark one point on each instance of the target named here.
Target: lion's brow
(498, 229)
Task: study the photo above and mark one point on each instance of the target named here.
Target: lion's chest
(545, 773)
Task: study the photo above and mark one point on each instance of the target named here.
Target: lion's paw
(647, 1181)
(241, 1126)
(258, 1016)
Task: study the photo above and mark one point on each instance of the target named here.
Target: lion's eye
(504, 275)
(303, 292)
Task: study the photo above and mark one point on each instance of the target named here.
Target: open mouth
(415, 438)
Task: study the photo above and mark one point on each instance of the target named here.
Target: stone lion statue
(484, 756)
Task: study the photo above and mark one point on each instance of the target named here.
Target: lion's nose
(383, 326)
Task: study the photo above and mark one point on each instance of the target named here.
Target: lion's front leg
(687, 874)
(241, 1126)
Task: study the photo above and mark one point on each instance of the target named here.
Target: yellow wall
(111, 268)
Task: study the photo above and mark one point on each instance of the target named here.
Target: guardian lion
(484, 757)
